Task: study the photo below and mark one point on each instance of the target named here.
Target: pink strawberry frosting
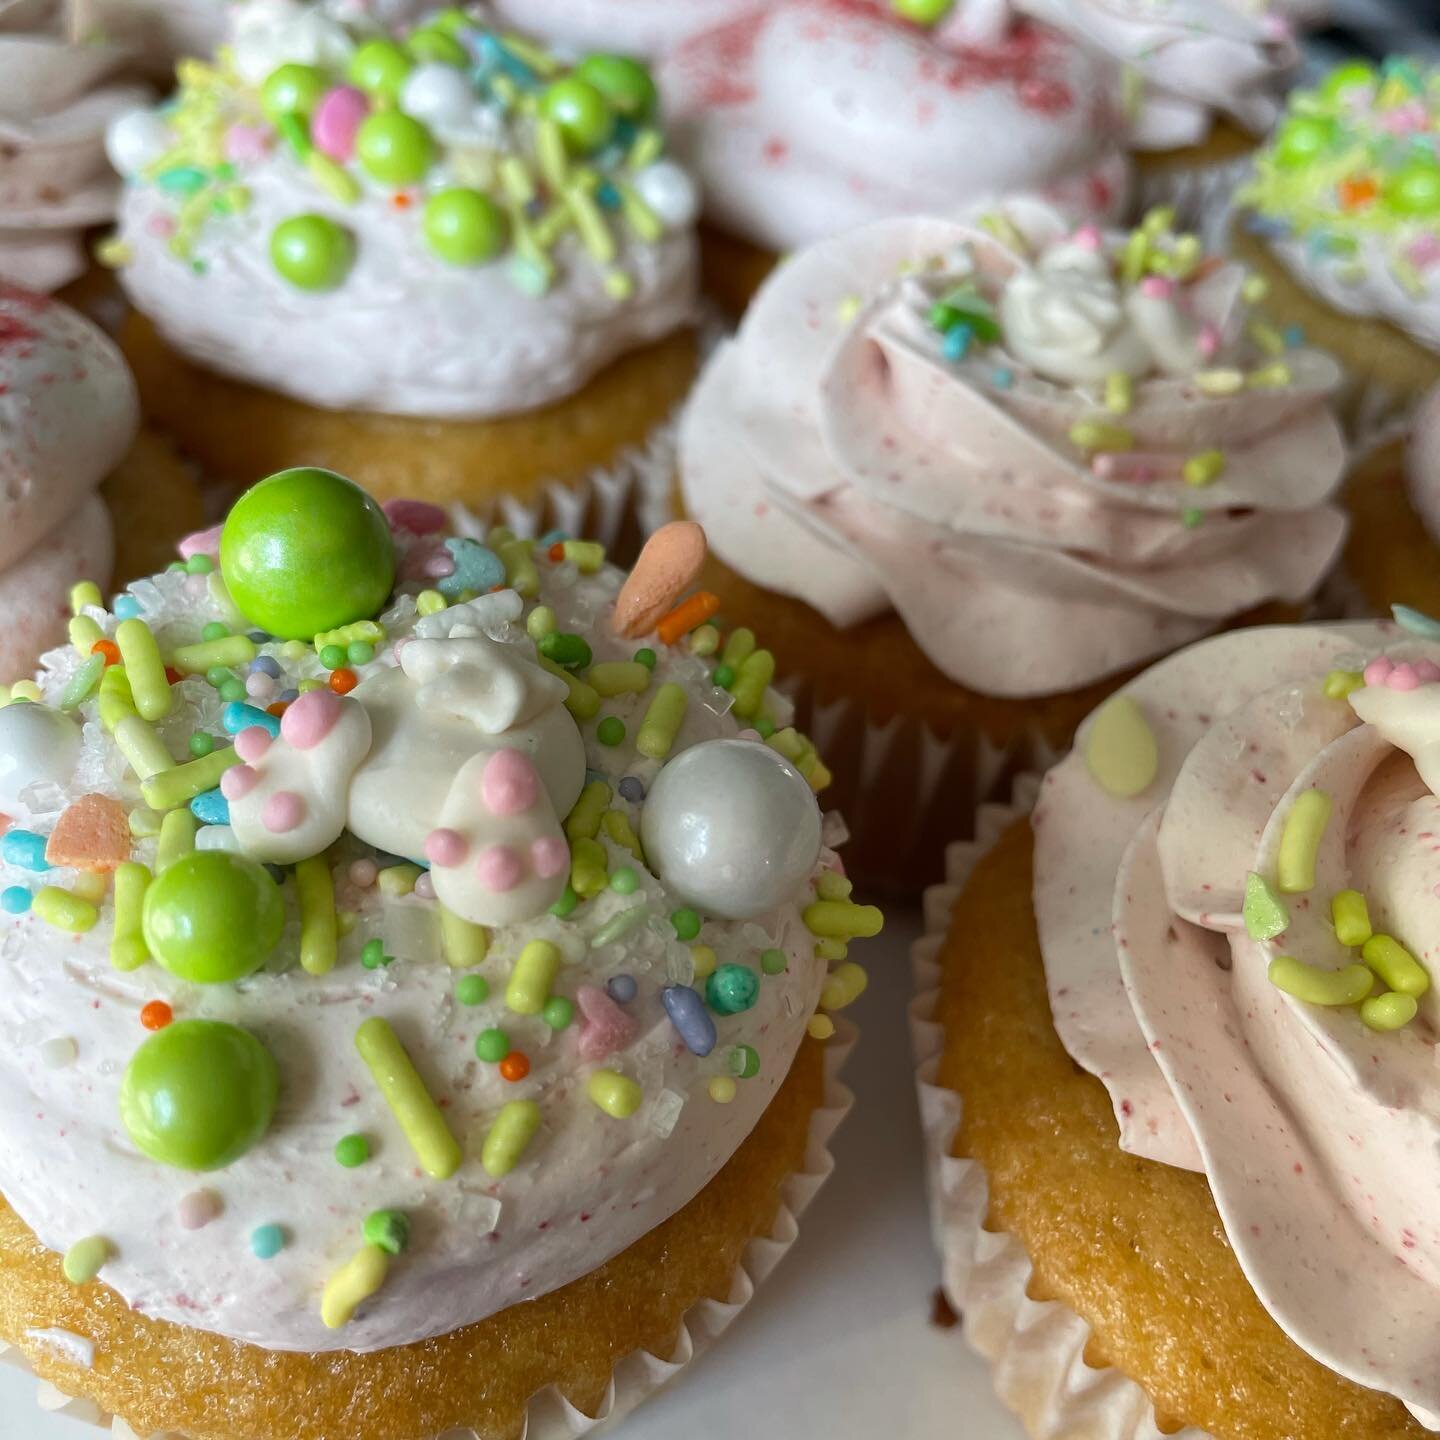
(1316, 1132)
(839, 452)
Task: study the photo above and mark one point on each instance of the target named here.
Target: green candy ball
(582, 113)
(307, 550)
(624, 82)
(292, 90)
(453, 20)
(436, 46)
(395, 149)
(1353, 75)
(212, 917)
(1414, 189)
(198, 1094)
(731, 989)
(379, 68)
(311, 252)
(464, 227)
(1302, 139)
(922, 12)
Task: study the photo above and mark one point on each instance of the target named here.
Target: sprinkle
(1416, 622)
(83, 682)
(610, 731)
(732, 989)
(128, 950)
(1351, 917)
(842, 920)
(1100, 435)
(156, 1015)
(1191, 518)
(662, 722)
(773, 962)
(1204, 468)
(743, 1062)
(1219, 382)
(197, 659)
(387, 1229)
(845, 985)
(24, 849)
(620, 677)
(1120, 749)
(85, 635)
(266, 1241)
(197, 1209)
(587, 556)
(1317, 986)
(144, 669)
(820, 1027)
(463, 943)
(617, 827)
(64, 911)
(589, 869)
(1266, 915)
(1119, 393)
(352, 1151)
(1270, 377)
(1300, 842)
(316, 892)
(15, 900)
(616, 1094)
(582, 701)
(492, 1045)
(397, 880)
(1254, 288)
(373, 956)
(703, 961)
(85, 594)
(512, 1131)
(684, 618)
(514, 1067)
(352, 1284)
(686, 922)
(1342, 683)
(722, 1089)
(689, 1017)
(751, 682)
(177, 838)
(85, 1258)
(530, 980)
(957, 343)
(180, 785)
(1395, 965)
(410, 1102)
(1390, 1011)
(211, 807)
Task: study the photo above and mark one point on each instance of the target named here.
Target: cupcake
(69, 444)
(808, 117)
(1186, 1028)
(964, 477)
(426, 984)
(61, 86)
(1343, 218)
(449, 266)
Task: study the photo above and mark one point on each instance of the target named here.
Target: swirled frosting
(1054, 456)
(58, 91)
(808, 117)
(441, 695)
(1347, 193)
(633, 27)
(1163, 917)
(588, 256)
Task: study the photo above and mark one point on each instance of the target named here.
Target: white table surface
(839, 1342)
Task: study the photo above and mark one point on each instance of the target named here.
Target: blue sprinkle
(14, 900)
(552, 537)
(125, 607)
(267, 1241)
(289, 696)
(690, 1018)
(608, 196)
(1002, 379)
(265, 665)
(238, 716)
(957, 342)
(24, 848)
(210, 807)
(1416, 622)
(476, 568)
(632, 790)
(622, 988)
(1294, 336)
(259, 636)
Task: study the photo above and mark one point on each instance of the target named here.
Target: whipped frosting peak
(997, 437)
(1201, 941)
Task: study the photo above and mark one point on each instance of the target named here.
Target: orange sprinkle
(402, 199)
(343, 680)
(1356, 194)
(514, 1066)
(277, 708)
(687, 616)
(109, 649)
(556, 553)
(156, 1015)
(172, 675)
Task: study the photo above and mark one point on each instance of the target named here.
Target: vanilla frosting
(1316, 1132)
(578, 280)
(808, 117)
(59, 88)
(845, 450)
(649, 28)
(589, 1183)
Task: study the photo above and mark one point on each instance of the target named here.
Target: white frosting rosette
(58, 91)
(1052, 460)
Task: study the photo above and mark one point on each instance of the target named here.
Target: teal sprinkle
(957, 343)
(1003, 379)
(182, 180)
(1416, 622)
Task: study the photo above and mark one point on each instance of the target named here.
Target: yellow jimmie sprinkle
(589, 868)
(1395, 965)
(820, 1027)
(318, 939)
(197, 659)
(587, 556)
(1095, 435)
(1270, 377)
(1254, 288)
(1317, 986)
(83, 633)
(1266, 337)
(511, 1132)
(529, 985)
(831, 951)
(397, 880)
(842, 920)
(618, 677)
(704, 641)
(371, 632)
(1220, 382)
(1300, 842)
(845, 985)
(616, 1094)
(85, 1258)
(115, 701)
(751, 681)
(91, 885)
(352, 1284)
(1119, 393)
(832, 885)
(739, 647)
(177, 838)
(583, 701)
(142, 747)
(430, 602)
(541, 622)
(414, 1109)
(583, 821)
(616, 825)
(1351, 917)
(1342, 683)
(333, 179)
(145, 669)
(63, 911)
(183, 783)
(463, 943)
(1204, 468)
(520, 570)
(84, 594)
(128, 950)
(662, 722)
(1390, 1011)
(1120, 749)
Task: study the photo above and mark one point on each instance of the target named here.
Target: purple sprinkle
(289, 695)
(690, 1018)
(632, 790)
(622, 988)
(266, 665)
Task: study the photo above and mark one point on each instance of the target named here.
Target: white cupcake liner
(1036, 1348)
(637, 1376)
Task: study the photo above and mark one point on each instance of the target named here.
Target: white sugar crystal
(58, 1053)
(717, 701)
(834, 832)
(665, 1112)
(409, 931)
(479, 1213)
(217, 837)
(43, 798)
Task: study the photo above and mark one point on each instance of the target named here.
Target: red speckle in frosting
(14, 331)
(1126, 1108)
(775, 151)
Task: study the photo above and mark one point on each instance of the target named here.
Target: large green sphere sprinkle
(307, 550)
(394, 148)
(624, 82)
(436, 46)
(292, 90)
(312, 252)
(212, 917)
(922, 12)
(379, 68)
(198, 1094)
(582, 113)
(464, 227)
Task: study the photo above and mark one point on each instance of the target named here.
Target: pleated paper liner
(1036, 1348)
(639, 1375)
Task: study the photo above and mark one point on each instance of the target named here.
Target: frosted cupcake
(449, 266)
(1224, 908)
(485, 954)
(61, 87)
(1343, 216)
(808, 117)
(965, 477)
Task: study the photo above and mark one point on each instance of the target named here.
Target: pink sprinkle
(336, 119)
(363, 873)
(259, 685)
(1277, 26)
(250, 744)
(550, 856)
(283, 812)
(1208, 342)
(1378, 670)
(446, 848)
(1403, 677)
(1087, 237)
(416, 516)
(1428, 671)
(425, 887)
(1424, 250)
(238, 781)
(160, 226)
(310, 718)
(427, 559)
(244, 143)
(509, 784)
(197, 1209)
(604, 1026)
(1157, 287)
(499, 869)
(202, 542)
(1408, 119)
